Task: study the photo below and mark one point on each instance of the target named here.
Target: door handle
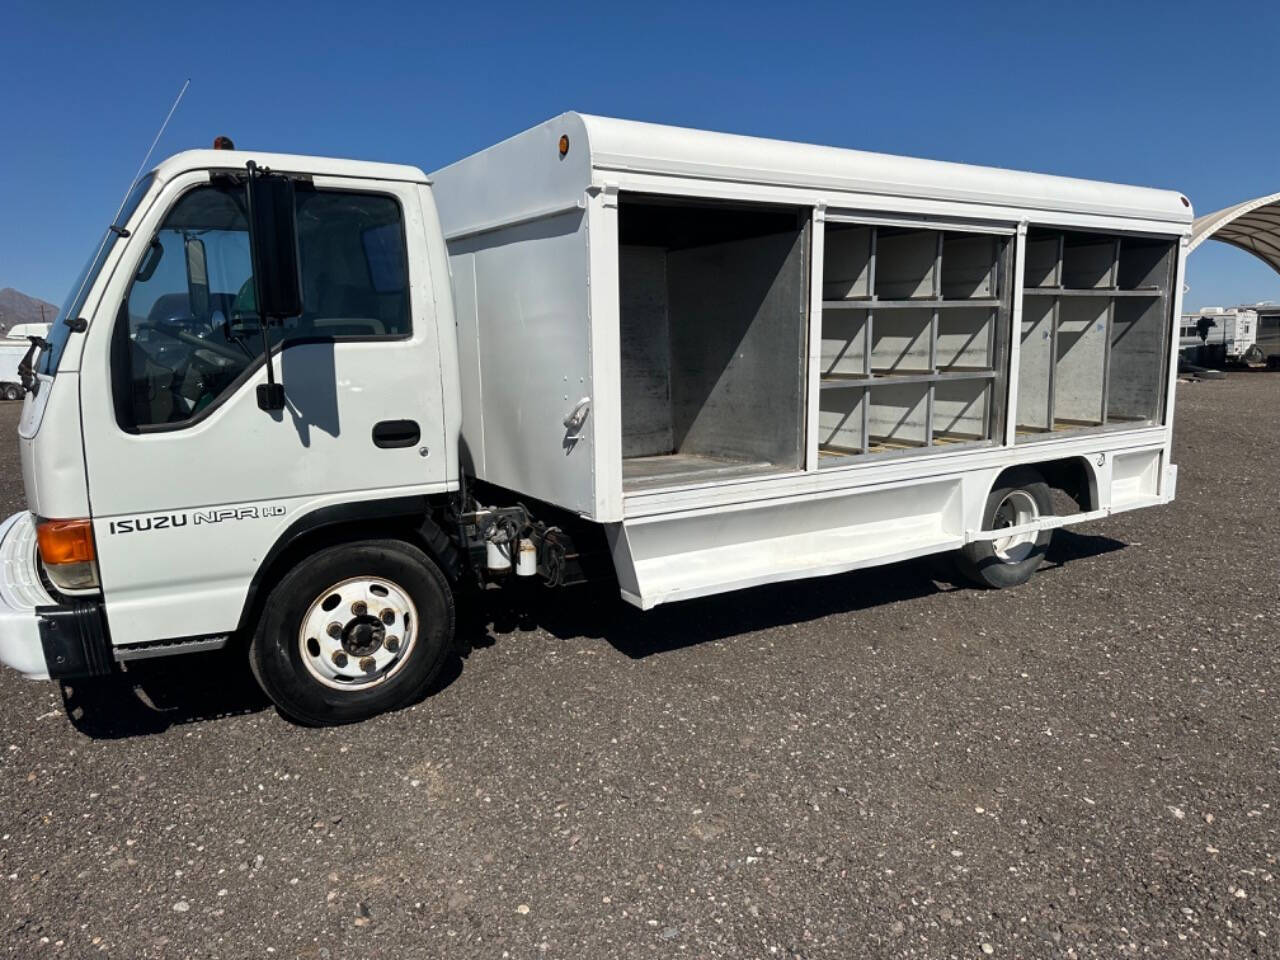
(576, 418)
(396, 433)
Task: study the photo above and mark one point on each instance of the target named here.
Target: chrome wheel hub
(1018, 507)
(358, 633)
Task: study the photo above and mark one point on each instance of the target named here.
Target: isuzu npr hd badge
(196, 517)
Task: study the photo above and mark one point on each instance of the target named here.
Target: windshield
(59, 332)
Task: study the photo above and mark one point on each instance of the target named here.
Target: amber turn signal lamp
(65, 541)
(564, 144)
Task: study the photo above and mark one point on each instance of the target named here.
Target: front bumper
(39, 636)
(21, 592)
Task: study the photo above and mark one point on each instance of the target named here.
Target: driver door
(190, 483)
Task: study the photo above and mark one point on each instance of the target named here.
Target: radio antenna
(150, 150)
(113, 226)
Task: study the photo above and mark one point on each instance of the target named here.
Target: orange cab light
(65, 541)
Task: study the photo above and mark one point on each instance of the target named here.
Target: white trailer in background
(24, 331)
(11, 355)
(691, 361)
(1230, 334)
(13, 348)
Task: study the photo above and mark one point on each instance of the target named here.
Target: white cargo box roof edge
(190, 160)
(635, 147)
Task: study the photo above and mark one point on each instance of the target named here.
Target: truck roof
(286, 163)
(632, 147)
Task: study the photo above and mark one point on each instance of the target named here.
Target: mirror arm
(270, 394)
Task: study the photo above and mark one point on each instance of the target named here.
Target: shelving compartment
(912, 348)
(1140, 330)
(1035, 364)
(961, 411)
(1095, 323)
(713, 303)
(966, 340)
(845, 342)
(1080, 365)
(846, 273)
(1089, 261)
(901, 342)
(969, 266)
(842, 422)
(905, 264)
(898, 416)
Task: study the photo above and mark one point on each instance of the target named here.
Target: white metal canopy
(1253, 225)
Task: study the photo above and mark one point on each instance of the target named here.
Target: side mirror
(273, 234)
(273, 244)
(197, 278)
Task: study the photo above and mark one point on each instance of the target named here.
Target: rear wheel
(11, 392)
(1019, 498)
(353, 631)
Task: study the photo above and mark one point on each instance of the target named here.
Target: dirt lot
(876, 764)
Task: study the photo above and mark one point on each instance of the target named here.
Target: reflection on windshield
(59, 331)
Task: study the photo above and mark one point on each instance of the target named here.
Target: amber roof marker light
(564, 145)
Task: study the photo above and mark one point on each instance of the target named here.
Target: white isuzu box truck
(298, 403)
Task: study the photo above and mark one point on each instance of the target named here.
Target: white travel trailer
(13, 348)
(24, 331)
(692, 361)
(1230, 334)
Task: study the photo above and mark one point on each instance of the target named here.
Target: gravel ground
(876, 764)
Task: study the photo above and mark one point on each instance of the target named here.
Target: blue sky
(1118, 91)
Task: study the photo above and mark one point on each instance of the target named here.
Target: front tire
(1021, 496)
(11, 392)
(353, 631)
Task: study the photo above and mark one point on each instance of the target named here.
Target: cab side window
(188, 333)
(354, 270)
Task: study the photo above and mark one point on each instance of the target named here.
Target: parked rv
(1219, 336)
(14, 347)
(688, 361)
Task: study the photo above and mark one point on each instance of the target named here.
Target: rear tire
(1020, 496)
(11, 392)
(353, 631)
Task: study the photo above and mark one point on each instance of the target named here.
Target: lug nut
(359, 608)
(339, 659)
(368, 664)
(392, 644)
(388, 616)
(335, 629)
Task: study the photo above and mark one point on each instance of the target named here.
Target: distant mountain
(17, 307)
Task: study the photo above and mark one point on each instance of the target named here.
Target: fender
(407, 518)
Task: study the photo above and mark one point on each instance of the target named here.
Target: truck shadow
(156, 695)
(595, 611)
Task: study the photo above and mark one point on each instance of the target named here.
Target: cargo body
(798, 359)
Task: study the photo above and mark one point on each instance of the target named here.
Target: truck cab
(160, 490)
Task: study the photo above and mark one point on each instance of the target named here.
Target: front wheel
(1019, 498)
(354, 630)
(11, 392)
